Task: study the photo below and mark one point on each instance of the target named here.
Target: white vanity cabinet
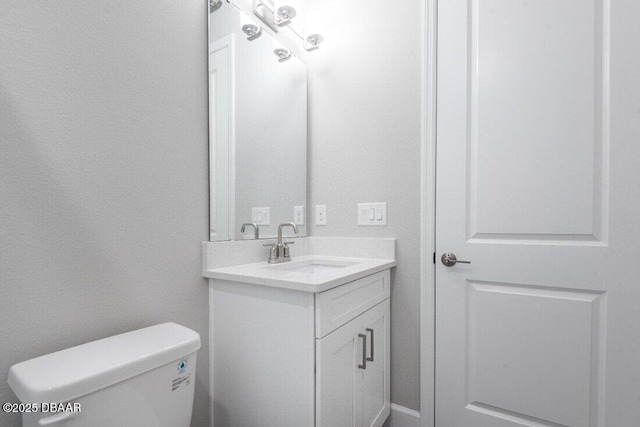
(352, 379)
(286, 357)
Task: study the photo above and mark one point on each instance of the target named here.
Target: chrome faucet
(256, 231)
(280, 251)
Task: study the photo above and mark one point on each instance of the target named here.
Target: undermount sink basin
(313, 266)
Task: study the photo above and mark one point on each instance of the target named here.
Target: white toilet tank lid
(78, 371)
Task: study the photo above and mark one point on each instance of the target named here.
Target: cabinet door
(338, 377)
(375, 383)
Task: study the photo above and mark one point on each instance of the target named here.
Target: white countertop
(280, 275)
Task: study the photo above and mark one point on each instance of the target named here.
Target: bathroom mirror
(257, 131)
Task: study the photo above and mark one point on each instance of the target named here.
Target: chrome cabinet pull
(370, 359)
(449, 260)
(364, 351)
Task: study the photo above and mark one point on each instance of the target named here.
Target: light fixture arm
(266, 14)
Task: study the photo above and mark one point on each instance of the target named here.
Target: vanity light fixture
(281, 17)
(214, 5)
(282, 54)
(252, 31)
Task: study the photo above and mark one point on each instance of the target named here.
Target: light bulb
(313, 29)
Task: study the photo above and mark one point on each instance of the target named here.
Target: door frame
(428, 212)
(227, 42)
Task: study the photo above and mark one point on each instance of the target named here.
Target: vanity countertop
(310, 273)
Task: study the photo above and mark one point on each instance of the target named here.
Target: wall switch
(372, 214)
(298, 215)
(261, 216)
(321, 214)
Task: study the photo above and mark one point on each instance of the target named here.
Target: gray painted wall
(103, 109)
(103, 175)
(364, 94)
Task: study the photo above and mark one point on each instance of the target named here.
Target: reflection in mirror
(257, 131)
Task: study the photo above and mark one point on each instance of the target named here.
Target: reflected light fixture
(282, 54)
(214, 5)
(313, 29)
(284, 15)
(275, 19)
(311, 42)
(252, 31)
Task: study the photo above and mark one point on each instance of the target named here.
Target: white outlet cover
(372, 214)
(298, 215)
(321, 214)
(261, 216)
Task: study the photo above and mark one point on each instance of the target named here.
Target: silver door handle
(370, 359)
(364, 351)
(449, 259)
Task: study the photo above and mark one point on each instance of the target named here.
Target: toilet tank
(143, 378)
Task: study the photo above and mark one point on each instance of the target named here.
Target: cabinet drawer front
(337, 306)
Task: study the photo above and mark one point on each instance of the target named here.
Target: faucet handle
(268, 244)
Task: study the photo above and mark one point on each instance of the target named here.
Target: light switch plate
(298, 215)
(372, 214)
(321, 214)
(261, 216)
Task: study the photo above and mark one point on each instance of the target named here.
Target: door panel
(512, 358)
(338, 378)
(375, 381)
(538, 123)
(536, 109)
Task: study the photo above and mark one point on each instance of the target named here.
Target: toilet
(143, 378)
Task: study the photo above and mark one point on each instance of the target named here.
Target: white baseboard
(402, 417)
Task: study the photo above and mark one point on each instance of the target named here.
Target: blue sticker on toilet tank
(182, 366)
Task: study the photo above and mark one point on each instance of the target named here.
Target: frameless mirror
(257, 131)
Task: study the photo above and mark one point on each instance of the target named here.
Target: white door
(538, 185)
(376, 403)
(338, 377)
